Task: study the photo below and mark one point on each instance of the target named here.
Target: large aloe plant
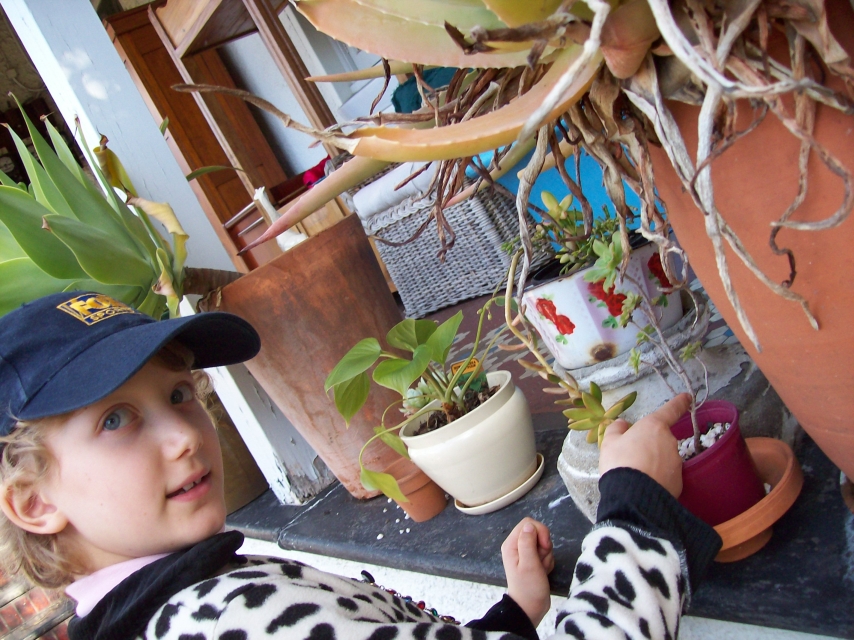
(597, 73)
(63, 232)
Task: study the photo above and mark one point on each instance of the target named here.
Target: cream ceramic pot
(483, 455)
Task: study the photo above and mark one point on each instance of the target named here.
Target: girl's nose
(182, 436)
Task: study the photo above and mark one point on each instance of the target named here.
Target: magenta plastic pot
(721, 482)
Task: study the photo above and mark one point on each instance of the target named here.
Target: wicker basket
(474, 266)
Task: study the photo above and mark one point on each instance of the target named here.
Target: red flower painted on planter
(613, 300)
(656, 269)
(549, 311)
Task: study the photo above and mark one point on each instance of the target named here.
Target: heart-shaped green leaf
(407, 335)
(350, 395)
(440, 342)
(357, 360)
(375, 481)
(392, 440)
(399, 374)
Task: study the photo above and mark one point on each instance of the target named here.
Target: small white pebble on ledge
(379, 536)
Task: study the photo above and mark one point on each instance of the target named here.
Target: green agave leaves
(62, 233)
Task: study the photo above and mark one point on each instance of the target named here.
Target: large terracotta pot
(310, 305)
(755, 181)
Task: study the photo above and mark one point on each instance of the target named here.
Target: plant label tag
(473, 364)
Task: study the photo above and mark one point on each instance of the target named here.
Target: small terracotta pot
(426, 498)
(722, 481)
(748, 532)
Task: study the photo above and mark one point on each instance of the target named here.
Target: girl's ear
(28, 508)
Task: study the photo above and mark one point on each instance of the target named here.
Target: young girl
(111, 486)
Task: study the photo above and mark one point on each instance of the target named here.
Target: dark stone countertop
(802, 580)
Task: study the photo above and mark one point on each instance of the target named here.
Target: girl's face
(139, 472)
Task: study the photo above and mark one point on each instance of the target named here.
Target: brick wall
(28, 612)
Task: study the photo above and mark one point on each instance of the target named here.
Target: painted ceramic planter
(484, 455)
(579, 322)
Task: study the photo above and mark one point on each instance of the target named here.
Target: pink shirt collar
(89, 590)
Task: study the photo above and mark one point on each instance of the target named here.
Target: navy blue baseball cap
(67, 350)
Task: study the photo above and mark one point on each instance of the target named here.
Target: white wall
(80, 67)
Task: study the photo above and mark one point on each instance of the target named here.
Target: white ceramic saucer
(507, 498)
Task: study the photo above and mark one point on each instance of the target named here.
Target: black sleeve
(632, 497)
(506, 616)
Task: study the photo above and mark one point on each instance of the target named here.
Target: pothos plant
(426, 381)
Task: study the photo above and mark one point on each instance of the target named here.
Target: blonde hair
(25, 461)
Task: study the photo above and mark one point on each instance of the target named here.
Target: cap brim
(214, 338)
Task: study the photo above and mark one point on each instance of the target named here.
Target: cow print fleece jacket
(633, 580)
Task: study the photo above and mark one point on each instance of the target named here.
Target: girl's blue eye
(182, 393)
(117, 419)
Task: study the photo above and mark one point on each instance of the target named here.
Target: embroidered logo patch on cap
(91, 308)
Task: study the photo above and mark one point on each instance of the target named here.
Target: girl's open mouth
(193, 489)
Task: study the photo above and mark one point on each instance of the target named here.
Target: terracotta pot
(755, 181)
(483, 455)
(310, 305)
(722, 481)
(579, 322)
(426, 498)
(748, 532)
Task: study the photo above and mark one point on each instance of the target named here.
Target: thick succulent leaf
(102, 258)
(153, 305)
(477, 135)
(9, 247)
(408, 334)
(345, 177)
(399, 374)
(584, 425)
(23, 217)
(88, 207)
(402, 39)
(463, 16)
(579, 414)
(627, 35)
(392, 440)
(375, 481)
(163, 213)
(592, 436)
(515, 13)
(441, 340)
(368, 73)
(44, 190)
(350, 395)
(22, 281)
(595, 391)
(592, 403)
(113, 169)
(7, 181)
(357, 360)
(621, 405)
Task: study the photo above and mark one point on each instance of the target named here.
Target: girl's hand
(528, 560)
(648, 446)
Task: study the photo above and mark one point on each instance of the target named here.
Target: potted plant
(608, 78)
(470, 431)
(577, 319)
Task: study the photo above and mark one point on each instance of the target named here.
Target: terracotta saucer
(749, 531)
